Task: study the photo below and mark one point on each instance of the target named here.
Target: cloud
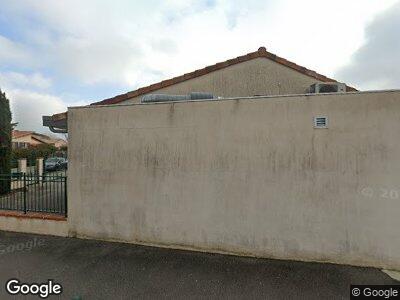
(376, 64)
(28, 107)
(16, 79)
(176, 10)
(92, 60)
(12, 53)
(164, 45)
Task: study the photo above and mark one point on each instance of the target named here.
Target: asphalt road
(89, 269)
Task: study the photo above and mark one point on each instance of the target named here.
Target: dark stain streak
(171, 113)
(147, 157)
(235, 106)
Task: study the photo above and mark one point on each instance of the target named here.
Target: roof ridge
(261, 52)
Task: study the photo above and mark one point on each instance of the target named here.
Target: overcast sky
(55, 54)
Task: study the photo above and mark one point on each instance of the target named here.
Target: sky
(56, 54)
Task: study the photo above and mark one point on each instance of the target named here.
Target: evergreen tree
(5, 142)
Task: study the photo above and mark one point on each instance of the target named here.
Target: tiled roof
(19, 133)
(261, 52)
(36, 136)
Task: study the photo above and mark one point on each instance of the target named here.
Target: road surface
(92, 269)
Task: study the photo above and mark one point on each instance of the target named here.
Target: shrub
(34, 152)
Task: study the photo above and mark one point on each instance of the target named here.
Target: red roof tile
(262, 52)
(19, 133)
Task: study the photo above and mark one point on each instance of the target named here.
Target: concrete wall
(259, 76)
(34, 225)
(249, 177)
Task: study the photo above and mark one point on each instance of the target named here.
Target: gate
(33, 193)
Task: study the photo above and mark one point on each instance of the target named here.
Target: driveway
(89, 269)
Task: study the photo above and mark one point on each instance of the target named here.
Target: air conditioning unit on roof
(328, 87)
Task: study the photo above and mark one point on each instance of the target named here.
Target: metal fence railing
(14, 164)
(34, 193)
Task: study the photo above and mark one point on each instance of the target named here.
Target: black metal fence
(34, 193)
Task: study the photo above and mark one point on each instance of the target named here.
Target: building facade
(26, 139)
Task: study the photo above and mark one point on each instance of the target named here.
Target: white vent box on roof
(328, 87)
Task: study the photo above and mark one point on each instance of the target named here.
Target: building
(26, 139)
(59, 143)
(273, 167)
(258, 73)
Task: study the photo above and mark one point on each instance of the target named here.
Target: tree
(34, 152)
(5, 142)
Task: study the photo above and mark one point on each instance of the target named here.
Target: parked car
(52, 164)
(63, 163)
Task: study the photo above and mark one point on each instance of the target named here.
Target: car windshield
(52, 160)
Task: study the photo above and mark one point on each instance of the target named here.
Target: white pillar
(39, 168)
(21, 169)
(22, 165)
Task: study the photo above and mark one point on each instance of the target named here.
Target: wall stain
(171, 113)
